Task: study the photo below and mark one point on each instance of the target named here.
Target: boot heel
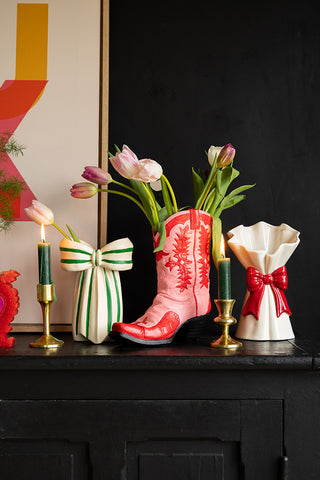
(195, 328)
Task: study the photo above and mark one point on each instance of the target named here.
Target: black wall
(184, 76)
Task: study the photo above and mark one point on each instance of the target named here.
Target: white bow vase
(97, 301)
(263, 250)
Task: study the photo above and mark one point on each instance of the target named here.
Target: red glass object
(9, 305)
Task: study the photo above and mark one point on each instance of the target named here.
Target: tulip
(129, 166)
(147, 171)
(226, 155)
(40, 213)
(97, 175)
(212, 152)
(125, 162)
(83, 190)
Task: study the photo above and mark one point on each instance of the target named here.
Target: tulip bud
(40, 213)
(97, 175)
(226, 155)
(83, 190)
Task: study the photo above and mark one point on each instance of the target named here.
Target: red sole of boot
(195, 321)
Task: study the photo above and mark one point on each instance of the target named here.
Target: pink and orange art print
(49, 101)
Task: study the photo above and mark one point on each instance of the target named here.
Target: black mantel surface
(289, 354)
(117, 411)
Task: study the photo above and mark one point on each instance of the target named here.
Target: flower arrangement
(145, 179)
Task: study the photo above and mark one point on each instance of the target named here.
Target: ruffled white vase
(263, 250)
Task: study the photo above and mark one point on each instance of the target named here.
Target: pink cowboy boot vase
(183, 281)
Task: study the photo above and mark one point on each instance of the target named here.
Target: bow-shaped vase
(263, 250)
(97, 301)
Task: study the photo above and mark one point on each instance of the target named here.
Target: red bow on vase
(256, 281)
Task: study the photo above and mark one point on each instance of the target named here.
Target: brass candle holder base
(225, 319)
(45, 297)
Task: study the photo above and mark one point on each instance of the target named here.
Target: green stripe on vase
(79, 302)
(118, 296)
(116, 262)
(123, 250)
(89, 304)
(109, 301)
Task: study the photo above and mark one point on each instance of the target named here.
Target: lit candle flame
(222, 247)
(43, 237)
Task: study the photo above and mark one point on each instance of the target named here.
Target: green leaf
(166, 197)
(73, 234)
(209, 200)
(223, 180)
(198, 184)
(163, 236)
(163, 214)
(228, 174)
(216, 238)
(232, 199)
(238, 190)
(228, 203)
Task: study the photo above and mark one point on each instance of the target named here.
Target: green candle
(44, 261)
(224, 275)
(224, 279)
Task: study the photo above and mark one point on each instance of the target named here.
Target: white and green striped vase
(97, 301)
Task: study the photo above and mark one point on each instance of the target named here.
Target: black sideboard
(93, 412)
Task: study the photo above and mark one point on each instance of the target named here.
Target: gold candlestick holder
(225, 319)
(45, 297)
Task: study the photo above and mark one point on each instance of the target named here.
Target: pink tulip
(226, 155)
(96, 175)
(129, 166)
(40, 213)
(125, 162)
(148, 171)
(83, 190)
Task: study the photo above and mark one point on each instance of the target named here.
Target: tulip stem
(207, 190)
(61, 231)
(174, 201)
(154, 210)
(124, 195)
(124, 186)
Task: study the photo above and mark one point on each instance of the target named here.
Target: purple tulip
(83, 190)
(226, 155)
(96, 175)
(40, 213)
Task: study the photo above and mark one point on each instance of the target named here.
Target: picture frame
(56, 150)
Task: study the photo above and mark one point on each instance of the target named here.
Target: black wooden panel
(141, 436)
(181, 467)
(183, 460)
(109, 426)
(261, 438)
(50, 460)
